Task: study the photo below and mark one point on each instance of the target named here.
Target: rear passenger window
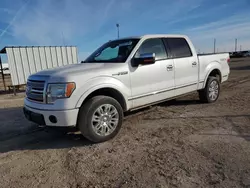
(179, 47)
(153, 46)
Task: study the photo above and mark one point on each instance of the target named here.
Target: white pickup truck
(122, 75)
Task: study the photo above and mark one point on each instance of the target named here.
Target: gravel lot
(179, 143)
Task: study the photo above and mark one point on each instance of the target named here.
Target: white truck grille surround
(35, 90)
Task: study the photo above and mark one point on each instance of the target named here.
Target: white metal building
(26, 60)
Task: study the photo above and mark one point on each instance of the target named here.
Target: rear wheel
(211, 92)
(100, 119)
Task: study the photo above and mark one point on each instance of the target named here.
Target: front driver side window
(108, 53)
(153, 46)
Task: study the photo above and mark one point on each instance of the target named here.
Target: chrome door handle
(169, 67)
(194, 64)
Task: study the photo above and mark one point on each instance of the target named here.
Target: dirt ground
(180, 143)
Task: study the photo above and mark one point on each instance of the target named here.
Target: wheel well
(215, 73)
(109, 92)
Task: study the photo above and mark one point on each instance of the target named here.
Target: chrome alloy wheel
(213, 90)
(105, 119)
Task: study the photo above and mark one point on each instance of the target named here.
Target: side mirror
(144, 59)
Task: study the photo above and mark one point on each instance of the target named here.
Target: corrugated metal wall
(24, 61)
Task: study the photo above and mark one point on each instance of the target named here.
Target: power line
(235, 45)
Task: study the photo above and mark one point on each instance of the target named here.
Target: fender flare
(94, 88)
(215, 66)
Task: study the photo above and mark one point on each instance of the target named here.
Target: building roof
(3, 50)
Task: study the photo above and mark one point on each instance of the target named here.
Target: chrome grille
(34, 90)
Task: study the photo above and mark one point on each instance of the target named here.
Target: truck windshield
(113, 51)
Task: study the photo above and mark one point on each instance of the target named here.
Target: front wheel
(211, 92)
(100, 119)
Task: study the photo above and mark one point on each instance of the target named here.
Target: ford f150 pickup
(122, 75)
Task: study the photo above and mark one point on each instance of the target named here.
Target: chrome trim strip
(52, 110)
(161, 91)
(34, 101)
(149, 94)
(37, 91)
(158, 102)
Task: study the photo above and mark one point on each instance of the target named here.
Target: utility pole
(118, 32)
(214, 45)
(235, 45)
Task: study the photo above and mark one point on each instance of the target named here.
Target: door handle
(169, 67)
(194, 64)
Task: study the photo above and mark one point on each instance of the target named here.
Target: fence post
(2, 73)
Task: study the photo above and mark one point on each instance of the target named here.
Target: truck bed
(206, 59)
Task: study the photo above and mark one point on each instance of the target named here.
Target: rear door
(185, 65)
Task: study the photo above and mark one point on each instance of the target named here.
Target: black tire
(204, 94)
(85, 118)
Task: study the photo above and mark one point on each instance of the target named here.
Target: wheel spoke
(98, 126)
(210, 95)
(96, 118)
(110, 127)
(113, 113)
(106, 108)
(114, 120)
(213, 83)
(103, 130)
(100, 111)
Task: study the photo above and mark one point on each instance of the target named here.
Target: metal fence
(24, 61)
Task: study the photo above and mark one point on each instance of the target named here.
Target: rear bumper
(224, 78)
(64, 118)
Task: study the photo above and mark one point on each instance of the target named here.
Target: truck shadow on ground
(19, 134)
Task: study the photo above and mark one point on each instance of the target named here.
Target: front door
(153, 82)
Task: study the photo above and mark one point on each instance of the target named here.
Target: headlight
(59, 91)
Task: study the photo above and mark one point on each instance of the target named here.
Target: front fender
(210, 67)
(102, 82)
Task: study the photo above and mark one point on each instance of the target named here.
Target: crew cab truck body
(122, 75)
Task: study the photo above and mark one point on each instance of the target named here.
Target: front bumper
(63, 118)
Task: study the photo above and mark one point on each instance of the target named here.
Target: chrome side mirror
(144, 59)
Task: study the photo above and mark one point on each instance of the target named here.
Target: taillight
(228, 60)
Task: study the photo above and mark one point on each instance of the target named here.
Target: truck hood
(71, 69)
(70, 72)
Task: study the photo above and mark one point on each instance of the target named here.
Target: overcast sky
(88, 24)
